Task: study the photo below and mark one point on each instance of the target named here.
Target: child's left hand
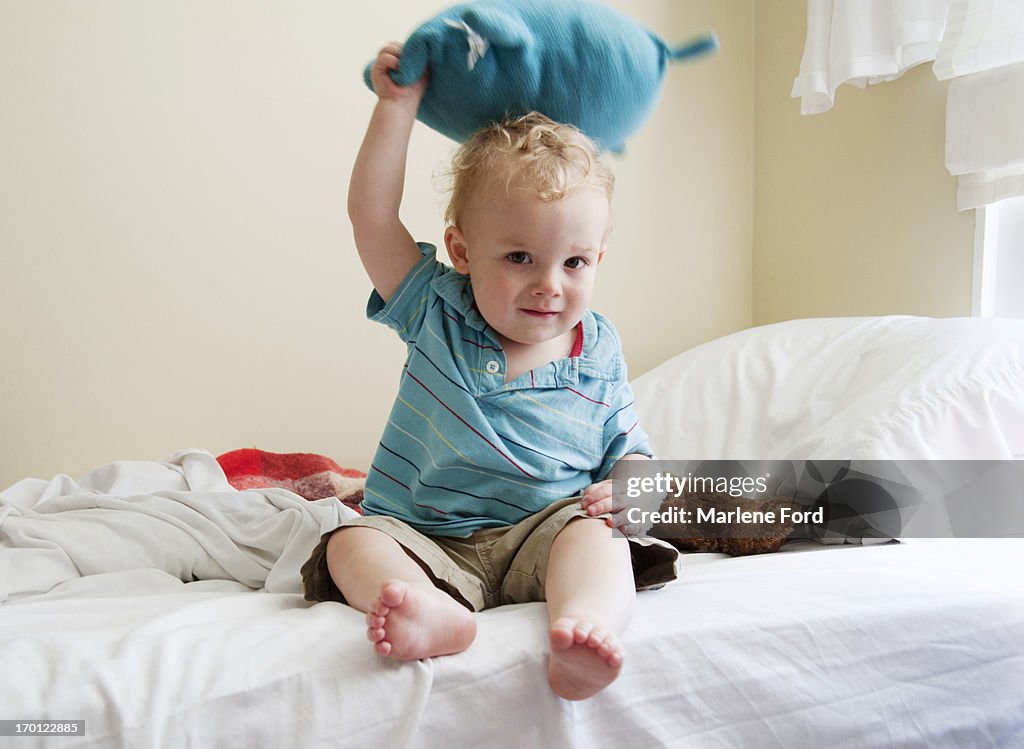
(597, 498)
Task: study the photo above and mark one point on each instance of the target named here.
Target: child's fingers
(388, 59)
(391, 48)
(599, 507)
(596, 492)
(385, 63)
(605, 493)
(600, 499)
(597, 498)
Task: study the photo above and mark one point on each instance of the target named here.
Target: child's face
(532, 263)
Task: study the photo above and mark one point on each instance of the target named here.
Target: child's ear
(600, 257)
(455, 242)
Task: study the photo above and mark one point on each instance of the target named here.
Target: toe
(596, 636)
(562, 634)
(393, 593)
(582, 631)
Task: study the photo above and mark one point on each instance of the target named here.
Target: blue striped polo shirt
(463, 449)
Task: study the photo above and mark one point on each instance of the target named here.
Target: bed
(161, 606)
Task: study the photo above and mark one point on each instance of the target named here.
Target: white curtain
(864, 41)
(983, 52)
(981, 35)
(977, 43)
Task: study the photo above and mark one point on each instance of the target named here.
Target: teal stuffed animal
(576, 62)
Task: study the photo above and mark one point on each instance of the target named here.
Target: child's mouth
(540, 313)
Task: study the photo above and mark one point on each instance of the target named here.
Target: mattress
(161, 607)
(903, 644)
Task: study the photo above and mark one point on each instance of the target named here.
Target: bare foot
(584, 659)
(409, 621)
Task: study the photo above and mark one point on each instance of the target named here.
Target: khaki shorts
(494, 566)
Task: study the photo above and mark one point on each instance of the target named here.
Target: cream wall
(855, 213)
(177, 268)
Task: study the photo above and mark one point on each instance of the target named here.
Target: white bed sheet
(911, 644)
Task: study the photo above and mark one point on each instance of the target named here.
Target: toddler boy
(489, 484)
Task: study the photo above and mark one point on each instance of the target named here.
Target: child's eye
(574, 263)
(519, 258)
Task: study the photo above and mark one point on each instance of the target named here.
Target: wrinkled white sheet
(907, 645)
(179, 516)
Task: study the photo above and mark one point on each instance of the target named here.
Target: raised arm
(385, 246)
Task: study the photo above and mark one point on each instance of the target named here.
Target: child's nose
(547, 283)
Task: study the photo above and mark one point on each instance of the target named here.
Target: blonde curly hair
(532, 153)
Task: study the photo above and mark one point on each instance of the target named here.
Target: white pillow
(867, 388)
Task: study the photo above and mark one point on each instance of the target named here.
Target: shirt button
(493, 367)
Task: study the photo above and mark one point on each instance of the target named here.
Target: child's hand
(597, 498)
(385, 88)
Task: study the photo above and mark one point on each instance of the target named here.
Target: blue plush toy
(575, 61)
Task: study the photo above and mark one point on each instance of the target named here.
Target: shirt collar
(596, 356)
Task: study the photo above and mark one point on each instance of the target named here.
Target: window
(999, 260)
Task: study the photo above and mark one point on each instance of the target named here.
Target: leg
(407, 617)
(591, 594)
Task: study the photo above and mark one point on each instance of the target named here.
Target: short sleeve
(405, 311)
(623, 434)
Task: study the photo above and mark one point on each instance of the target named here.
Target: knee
(592, 534)
(592, 529)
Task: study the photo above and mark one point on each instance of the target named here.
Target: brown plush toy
(734, 538)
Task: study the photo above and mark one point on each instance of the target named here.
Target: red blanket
(308, 475)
